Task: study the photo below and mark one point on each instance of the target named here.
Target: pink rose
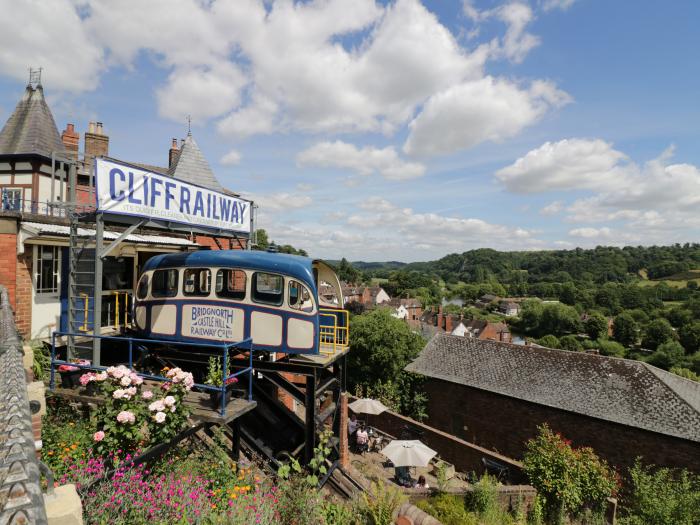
(86, 378)
(126, 381)
(126, 416)
(169, 401)
(160, 417)
(98, 436)
(147, 394)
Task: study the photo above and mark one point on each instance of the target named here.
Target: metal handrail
(338, 332)
(246, 344)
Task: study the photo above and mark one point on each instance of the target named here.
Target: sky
(395, 130)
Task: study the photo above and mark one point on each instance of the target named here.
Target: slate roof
(191, 166)
(623, 391)
(31, 128)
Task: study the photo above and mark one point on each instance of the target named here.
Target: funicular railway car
(232, 295)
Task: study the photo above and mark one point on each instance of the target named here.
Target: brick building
(34, 160)
(496, 394)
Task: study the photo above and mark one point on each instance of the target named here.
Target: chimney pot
(174, 146)
(91, 127)
(99, 128)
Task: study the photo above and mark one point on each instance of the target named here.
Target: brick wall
(505, 424)
(226, 244)
(8, 265)
(465, 456)
(23, 309)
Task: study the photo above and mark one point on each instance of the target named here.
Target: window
(164, 283)
(268, 288)
(12, 199)
(142, 290)
(47, 269)
(231, 284)
(300, 297)
(197, 282)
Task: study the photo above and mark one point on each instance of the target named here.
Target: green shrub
(570, 480)
(549, 341)
(685, 372)
(610, 348)
(42, 361)
(663, 496)
(571, 343)
(448, 509)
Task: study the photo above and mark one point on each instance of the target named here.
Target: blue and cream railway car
(231, 295)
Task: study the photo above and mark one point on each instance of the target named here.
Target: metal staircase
(81, 287)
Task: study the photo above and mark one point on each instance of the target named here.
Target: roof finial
(189, 125)
(35, 77)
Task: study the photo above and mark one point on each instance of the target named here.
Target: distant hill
(600, 264)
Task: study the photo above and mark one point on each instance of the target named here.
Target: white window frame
(56, 269)
(6, 191)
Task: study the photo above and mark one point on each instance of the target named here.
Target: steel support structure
(310, 417)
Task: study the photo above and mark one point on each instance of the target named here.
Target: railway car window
(231, 284)
(142, 290)
(197, 282)
(268, 288)
(164, 283)
(300, 297)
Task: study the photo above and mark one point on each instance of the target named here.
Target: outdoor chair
(495, 469)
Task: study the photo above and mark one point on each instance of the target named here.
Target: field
(678, 280)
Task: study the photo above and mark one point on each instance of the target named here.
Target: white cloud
(654, 202)
(49, 35)
(552, 208)
(473, 112)
(548, 5)
(567, 164)
(232, 158)
(365, 161)
(201, 92)
(273, 202)
(517, 42)
(591, 233)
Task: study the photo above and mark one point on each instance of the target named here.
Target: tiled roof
(31, 128)
(191, 166)
(623, 391)
(21, 499)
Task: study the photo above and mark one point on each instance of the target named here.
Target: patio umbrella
(408, 453)
(367, 406)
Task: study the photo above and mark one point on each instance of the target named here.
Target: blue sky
(396, 130)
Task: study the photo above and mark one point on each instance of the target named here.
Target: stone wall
(21, 499)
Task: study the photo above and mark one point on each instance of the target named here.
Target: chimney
(96, 142)
(173, 154)
(71, 140)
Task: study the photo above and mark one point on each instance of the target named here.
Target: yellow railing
(86, 297)
(116, 308)
(334, 335)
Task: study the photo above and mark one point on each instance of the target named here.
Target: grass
(678, 280)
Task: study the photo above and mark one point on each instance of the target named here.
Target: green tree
(657, 333)
(596, 326)
(380, 347)
(571, 343)
(625, 329)
(689, 335)
(667, 355)
(662, 496)
(549, 341)
(348, 273)
(263, 242)
(610, 348)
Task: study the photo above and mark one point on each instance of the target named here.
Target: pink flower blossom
(157, 406)
(169, 401)
(147, 394)
(160, 417)
(125, 416)
(98, 436)
(86, 378)
(101, 376)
